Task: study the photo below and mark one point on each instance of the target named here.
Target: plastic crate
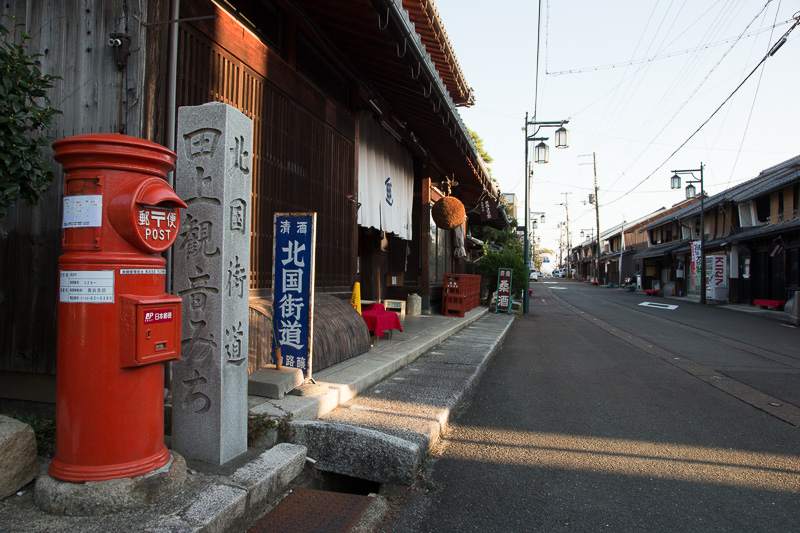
(466, 287)
(454, 306)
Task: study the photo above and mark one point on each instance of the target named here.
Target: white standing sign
(717, 270)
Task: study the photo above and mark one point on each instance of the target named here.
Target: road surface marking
(659, 306)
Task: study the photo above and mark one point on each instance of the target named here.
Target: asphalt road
(601, 414)
(757, 351)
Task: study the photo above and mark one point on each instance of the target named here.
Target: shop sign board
(716, 271)
(293, 287)
(488, 209)
(503, 302)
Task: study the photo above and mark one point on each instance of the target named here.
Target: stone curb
(212, 503)
(348, 379)
(340, 448)
(229, 503)
(384, 441)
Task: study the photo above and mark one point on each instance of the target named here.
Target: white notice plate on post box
(86, 286)
(83, 211)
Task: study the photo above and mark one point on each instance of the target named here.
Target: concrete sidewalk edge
(346, 380)
(389, 443)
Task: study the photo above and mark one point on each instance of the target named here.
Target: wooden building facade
(752, 230)
(304, 71)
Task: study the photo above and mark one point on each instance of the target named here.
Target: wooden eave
(429, 26)
(374, 54)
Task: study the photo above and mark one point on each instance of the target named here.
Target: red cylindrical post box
(116, 324)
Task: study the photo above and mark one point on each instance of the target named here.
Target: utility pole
(569, 240)
(621, 248)
(597, 216)
(594, 200)
(526, 244)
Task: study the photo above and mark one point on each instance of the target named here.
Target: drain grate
(309, 510)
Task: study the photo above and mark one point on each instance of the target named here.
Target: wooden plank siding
(95, 97)
(303, 145)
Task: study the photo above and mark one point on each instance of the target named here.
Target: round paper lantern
(448, 213)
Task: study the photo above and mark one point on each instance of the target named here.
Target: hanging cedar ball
(448, 213)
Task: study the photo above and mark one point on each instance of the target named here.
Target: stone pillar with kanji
(211, 274)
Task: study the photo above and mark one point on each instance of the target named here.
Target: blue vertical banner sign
(293, 287)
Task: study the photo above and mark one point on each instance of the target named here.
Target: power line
(773, 50)
(676, 83)
(612, 108)
(536, 89)
(750, 115)
(686, 102)
(671, 92)
(631, 63)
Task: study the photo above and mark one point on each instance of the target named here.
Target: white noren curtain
(385, 179)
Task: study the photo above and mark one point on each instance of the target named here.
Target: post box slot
(146, 214)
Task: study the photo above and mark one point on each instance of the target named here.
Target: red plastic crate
(466, 287)
(454, 306)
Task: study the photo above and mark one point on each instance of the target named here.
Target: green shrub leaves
(26, 118)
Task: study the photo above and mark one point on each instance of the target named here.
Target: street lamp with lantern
(533, 215)
(691, 192)
(541, 155)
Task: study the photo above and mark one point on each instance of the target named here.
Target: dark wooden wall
(303, 142)
(95, 97)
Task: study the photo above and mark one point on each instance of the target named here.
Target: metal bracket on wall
(383, 25)
(121, 43)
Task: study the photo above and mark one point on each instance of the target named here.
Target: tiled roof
(768, 180)
(662, 249)
(751, 233)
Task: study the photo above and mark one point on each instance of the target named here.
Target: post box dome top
(114, 152)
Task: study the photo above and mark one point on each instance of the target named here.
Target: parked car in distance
(535, 275)
(558, 273)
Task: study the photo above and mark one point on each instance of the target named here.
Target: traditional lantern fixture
(691, 191)
(562, 137)
(541, 153)
(675, 182)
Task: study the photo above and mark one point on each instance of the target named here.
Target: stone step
(384, 433)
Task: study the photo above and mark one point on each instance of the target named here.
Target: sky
(636, 80)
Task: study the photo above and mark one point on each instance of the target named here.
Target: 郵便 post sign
(293, 287)
(503, 302)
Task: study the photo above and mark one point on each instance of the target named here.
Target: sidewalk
(382, 433)
(345, 380)
(742, 308)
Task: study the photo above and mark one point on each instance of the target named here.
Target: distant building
(510, 200)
